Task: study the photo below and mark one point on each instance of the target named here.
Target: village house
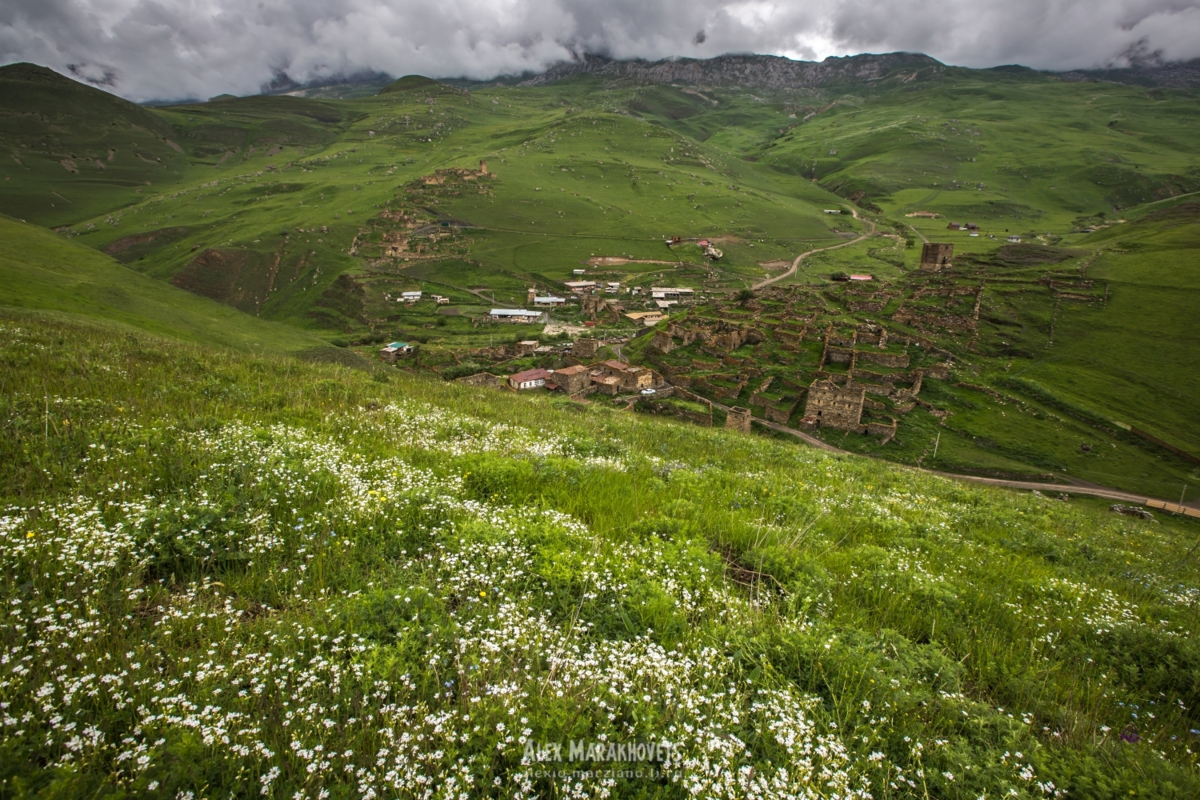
(525, 348)
(579, 271)
(671, 293)
(441, 300)
(410, 297)
(579, 287)
(529, 379)
(606, 384)
(647, 318)
(515, 315)
(628, 376)
(549, 300)
(612, 287)
(854, 277)
(396, 351)
(571, 380)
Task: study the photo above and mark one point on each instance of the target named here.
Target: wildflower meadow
(238, 576)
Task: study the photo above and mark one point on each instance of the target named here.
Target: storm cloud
(170, 49)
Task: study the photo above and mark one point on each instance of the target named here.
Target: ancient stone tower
(529, 295)
(483, 168)
(835, 406)
(584, 348)
(738, 419)
(935, 257)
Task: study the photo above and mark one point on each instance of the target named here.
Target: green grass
(383, 582)
(39, 270)
(257, 202)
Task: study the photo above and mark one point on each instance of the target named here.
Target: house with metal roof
(516, 315)
(529, 379)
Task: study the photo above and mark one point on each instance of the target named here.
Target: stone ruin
(936, 256)
(738, 419)
(584, 348)
(832, 406)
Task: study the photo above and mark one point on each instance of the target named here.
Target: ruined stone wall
(838, 355)
(738, 419)
(894, 360)
(483, 379)
(662, 342)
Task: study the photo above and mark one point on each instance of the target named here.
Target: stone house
(833, 406)
(571, 380)
(529, 379)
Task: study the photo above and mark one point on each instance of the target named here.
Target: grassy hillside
(229, 571)
(73, 152)
(39, 270)
(318, 213)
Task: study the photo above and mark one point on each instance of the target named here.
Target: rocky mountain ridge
(749, 71)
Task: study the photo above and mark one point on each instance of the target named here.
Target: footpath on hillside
(870, 231)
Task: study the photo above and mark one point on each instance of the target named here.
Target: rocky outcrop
(750, 71)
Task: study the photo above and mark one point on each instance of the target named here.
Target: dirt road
(1058, 488)
(796, 264)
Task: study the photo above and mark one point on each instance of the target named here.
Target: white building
(669, 293)
(549, 300)
(516, 315)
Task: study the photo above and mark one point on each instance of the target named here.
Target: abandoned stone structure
(832, 406)
(936, 256)
(738, 419)
(483, 379)
(628, 377)
(584, 348)
(592, 305)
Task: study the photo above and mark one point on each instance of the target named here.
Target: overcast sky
(172, 49)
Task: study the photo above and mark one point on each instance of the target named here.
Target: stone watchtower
(584, 348)
(738, 419)
(835, 406)
(529, 295)
(936, 257)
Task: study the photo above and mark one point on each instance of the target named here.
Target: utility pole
(936, 442)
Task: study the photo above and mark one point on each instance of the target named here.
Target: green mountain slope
(227, 572)
(41, 271)
(320, 213)
(73, 152)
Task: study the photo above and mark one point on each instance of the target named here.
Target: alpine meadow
(725, 428)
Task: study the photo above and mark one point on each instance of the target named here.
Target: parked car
(649, 391)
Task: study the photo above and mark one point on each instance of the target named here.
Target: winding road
(796, 264)
(1061, 488)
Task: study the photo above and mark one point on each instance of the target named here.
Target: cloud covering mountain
(159, 49)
